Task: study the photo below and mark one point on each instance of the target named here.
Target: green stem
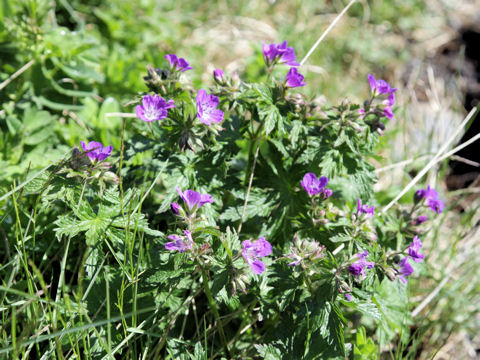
(211, 300)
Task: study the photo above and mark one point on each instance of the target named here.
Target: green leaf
(365, 348)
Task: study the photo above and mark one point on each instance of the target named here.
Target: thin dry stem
(434, 160)
(120, 114)
(467, 247)
(330, 27)
(17, 73)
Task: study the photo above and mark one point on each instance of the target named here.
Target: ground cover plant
(234, 217)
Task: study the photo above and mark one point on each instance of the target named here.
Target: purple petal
(405, 268)
(359, 204)
(311, 184)
(172, 59)
(356, 269)
(326, 193)
(140, 111)
(294, 263)
(294, 78)
(372, 81)
(175, 208)
(262, 247)
(170, 104)
(323, 181)
(104, 153)
(192, 198)
(387, 112)
(421, 219)
(257, 266)
(201, 96)
(205, 198)
(183, 65)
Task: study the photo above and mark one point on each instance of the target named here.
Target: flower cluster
(305, 250)
(208, 112)
(314, 185)
(383, 91)
(252, 250)
(430, 196)
(282, 54)
(381, 102)
(154, 107)
(95, 151)
(405, 269)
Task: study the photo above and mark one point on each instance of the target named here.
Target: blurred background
(64, 64)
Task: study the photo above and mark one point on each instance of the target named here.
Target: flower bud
(372, 236)
(235, 80)
(219, 77)
(326, 193)
(391, 274)
(176, 209)
(420, 220)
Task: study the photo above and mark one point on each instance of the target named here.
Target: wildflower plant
(220, 224)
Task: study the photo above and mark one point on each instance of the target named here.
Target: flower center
(151, 113)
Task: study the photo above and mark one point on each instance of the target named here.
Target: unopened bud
(219, 77)
(235, 80)
(391, 274)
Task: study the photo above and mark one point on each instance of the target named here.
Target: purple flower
(312, 185)
(178, 243)
(348, 297)
(388, 104)
(420, 220)
(279, 53)
(178, 63)
(405, 269)
(387, 112)
(175, 208)
(207, 108)
(193, 199)
(414, 250)
(218, 76)
(431, 198)
(253, 250)
(95, 150)
(364, 209)
(426, 193)
(435, 204)
(294, 78)
(380, 87)
(153, 108)
(358, 267)
(326, 193)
